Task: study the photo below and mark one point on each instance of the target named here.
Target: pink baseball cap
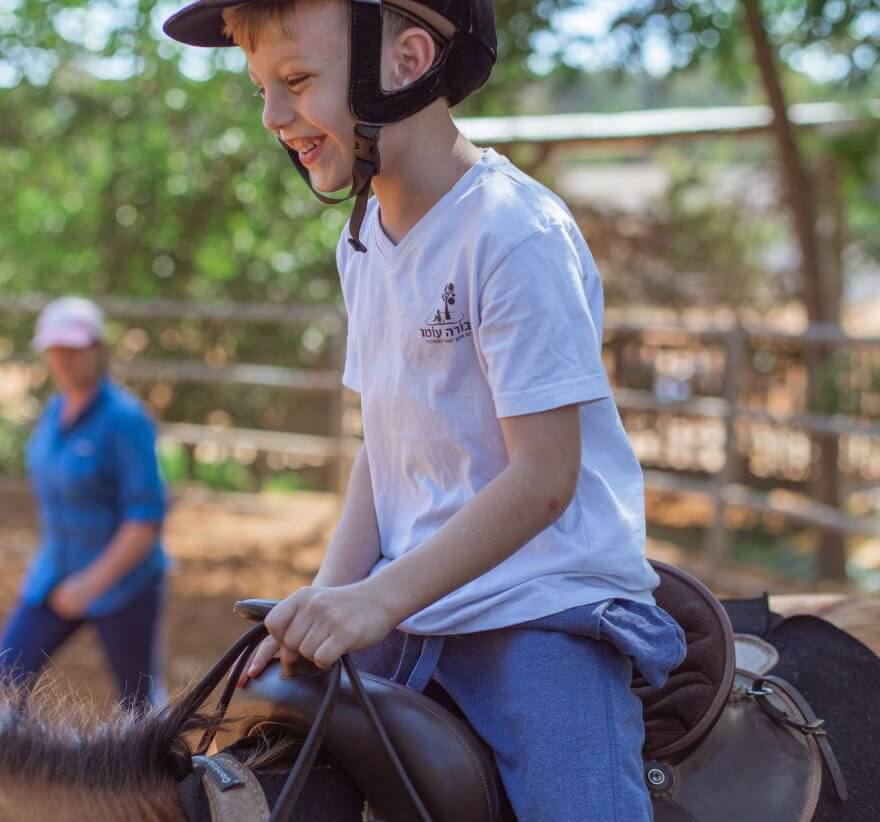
(69, 322)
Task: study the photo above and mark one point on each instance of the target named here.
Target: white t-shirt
(490, 306)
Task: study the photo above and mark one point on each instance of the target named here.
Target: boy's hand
(322, 624)
(264, 653)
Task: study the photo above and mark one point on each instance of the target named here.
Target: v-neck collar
(391, 251)
(66, 428)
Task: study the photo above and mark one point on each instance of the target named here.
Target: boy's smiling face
(301, 71)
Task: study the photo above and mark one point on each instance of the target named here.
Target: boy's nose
(277, 113)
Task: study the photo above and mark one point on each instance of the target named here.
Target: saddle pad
(840, 678)
(752, 616)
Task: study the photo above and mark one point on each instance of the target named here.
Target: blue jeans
(129, 637)
(552, 698)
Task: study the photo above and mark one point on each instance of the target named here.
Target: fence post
(716, 537)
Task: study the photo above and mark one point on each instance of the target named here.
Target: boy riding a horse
(492, 540)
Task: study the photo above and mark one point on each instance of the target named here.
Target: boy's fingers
(312, 641)
(279, 618)
(327, 653)
(265, 651)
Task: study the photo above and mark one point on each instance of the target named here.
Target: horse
(59, 762)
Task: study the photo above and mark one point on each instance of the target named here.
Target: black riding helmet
(464, 64)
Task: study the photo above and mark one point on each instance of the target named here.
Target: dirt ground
(227, 547)
(224, 547)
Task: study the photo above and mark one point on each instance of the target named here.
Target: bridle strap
(233, 791)
(242, 650)
(301, 768)
(370, 710)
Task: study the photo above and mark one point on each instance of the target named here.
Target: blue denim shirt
(88, 479)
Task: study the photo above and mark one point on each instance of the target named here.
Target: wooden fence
(337, 450)
(723, 488)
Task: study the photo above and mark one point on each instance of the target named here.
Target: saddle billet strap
(811, 726)
(244, 801)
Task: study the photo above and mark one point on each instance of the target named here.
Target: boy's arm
(526, 497)
(351, 553)
(354, 547)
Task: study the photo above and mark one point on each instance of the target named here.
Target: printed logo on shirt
(445, 325)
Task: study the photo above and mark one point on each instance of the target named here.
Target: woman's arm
(130, 543)
(141, 505)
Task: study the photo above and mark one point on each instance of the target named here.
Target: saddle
(725, 740)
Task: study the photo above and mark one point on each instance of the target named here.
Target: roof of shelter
(653, 125)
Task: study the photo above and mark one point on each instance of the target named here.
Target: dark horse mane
(56, 753)
(48, 733)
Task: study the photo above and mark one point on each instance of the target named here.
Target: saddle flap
(749, 768)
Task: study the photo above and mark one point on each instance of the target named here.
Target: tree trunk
(821, 307)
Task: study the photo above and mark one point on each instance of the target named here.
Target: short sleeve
(351, 377)
(141, 491)
(537, 336)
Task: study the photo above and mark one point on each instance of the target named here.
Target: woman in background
(94, 472)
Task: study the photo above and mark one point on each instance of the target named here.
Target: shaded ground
(228, 547)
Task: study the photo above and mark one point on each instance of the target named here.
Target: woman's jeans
(129, 638)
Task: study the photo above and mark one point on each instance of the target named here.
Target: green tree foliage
(843, 33)
(162, 181)
(133, 166)
(828, 49)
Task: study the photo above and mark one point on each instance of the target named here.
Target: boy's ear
(411, 55)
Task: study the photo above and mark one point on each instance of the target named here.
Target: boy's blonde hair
(245, 23)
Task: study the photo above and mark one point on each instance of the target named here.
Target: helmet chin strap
(367, 165)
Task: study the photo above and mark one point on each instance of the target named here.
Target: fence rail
(340, 448)
(325, 381)
(238, 313)
(630, 399)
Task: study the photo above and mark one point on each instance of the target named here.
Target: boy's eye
(298, 80)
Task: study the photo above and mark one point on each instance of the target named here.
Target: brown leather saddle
(725, 741)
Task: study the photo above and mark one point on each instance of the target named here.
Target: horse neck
(68, 804)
